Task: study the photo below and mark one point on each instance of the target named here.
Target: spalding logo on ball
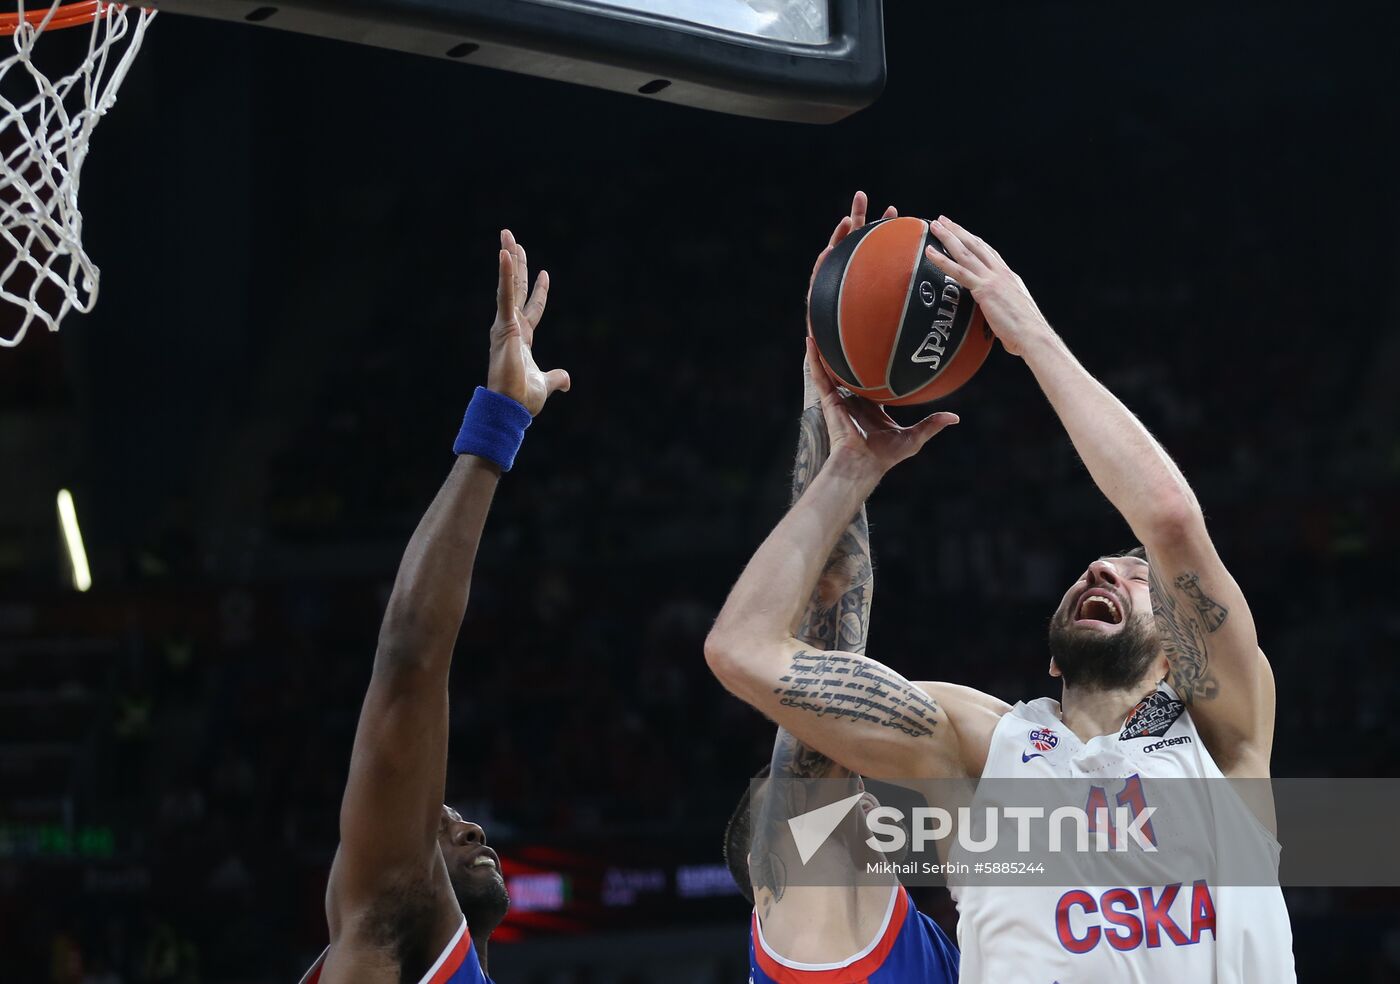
(889, 326)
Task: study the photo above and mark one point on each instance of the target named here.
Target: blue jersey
(458, 964)
(910, 949)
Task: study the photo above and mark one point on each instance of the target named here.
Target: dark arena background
(297, 241)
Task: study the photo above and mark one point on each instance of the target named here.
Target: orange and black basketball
(889, 326)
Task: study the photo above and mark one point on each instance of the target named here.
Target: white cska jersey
(1125, 934)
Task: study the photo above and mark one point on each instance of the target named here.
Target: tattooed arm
(848, 707)
(837, 617)
(1213, 651)
(838, 612)
(1213, 657)
(1201, 615)
(816, 922)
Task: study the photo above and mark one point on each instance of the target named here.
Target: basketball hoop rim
(73, 14)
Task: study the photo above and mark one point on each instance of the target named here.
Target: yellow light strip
(73, 537)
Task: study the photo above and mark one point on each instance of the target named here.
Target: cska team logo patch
(1153, 716)
(1042, 740)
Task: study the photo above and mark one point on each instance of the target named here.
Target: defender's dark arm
(392, 807)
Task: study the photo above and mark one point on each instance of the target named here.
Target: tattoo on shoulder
(1185, 615)
(844, 686)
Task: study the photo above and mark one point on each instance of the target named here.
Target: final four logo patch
(1153, 716)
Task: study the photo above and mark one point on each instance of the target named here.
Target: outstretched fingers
(505, 287)
(860, 204)
(526, 304)
(860, 209)
(975, 245)
(958, 249)
(522, 275)
(534, 308)
(950, 267)
(518, 265)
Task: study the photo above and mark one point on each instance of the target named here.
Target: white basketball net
(45, 126)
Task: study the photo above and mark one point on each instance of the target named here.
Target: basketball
(888, 325)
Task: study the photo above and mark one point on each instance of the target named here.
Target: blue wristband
(493, 428)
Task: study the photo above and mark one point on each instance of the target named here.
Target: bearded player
(849, 927)
(414, 891)
(1161, 674)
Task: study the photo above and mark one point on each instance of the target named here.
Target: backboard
(812, 61)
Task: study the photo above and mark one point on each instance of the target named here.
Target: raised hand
(848, 224)
(862, 433)
(512, 371)
(1010, 310)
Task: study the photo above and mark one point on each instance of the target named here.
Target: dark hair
(738, 834)
(1140, 552)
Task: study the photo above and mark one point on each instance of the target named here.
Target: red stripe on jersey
(853, 973)
(454, 959)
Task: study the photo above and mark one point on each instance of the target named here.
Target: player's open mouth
(485, 857)
(1098, 606)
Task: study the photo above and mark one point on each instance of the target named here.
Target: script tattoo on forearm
(1185, 615)
(781, 802)
(844, 686)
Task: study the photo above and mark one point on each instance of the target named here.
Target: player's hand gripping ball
(889, 325)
